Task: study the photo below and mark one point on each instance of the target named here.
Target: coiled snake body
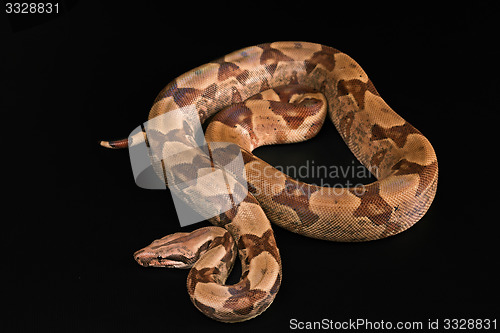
(280, 93)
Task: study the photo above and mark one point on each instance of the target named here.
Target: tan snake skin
(280, 93)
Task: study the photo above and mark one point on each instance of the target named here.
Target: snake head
(169, 251)
(179, 250)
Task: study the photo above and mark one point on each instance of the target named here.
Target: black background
(92, 72)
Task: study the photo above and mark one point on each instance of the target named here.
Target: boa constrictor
(279, 93)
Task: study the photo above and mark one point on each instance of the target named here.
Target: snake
(276, 93)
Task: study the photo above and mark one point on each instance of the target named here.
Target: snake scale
(281, 93)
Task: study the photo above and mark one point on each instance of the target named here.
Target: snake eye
(159, 258)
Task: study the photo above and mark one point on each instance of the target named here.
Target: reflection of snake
(279, 93)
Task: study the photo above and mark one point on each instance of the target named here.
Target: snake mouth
(147, 259)
(166, 262)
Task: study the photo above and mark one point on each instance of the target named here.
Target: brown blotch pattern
(229, 69)
(424, 172)
(243, 299)
(295, 114)
(357, 89)
(270, 57)
(296, 197)
(227, 242)
(210, 91)
(398, 134)
(325, 57)
(236, 115)
(255, 245)
(372, 205)
(286, 92)
(377, 158)
(345, 125)
(204, 275)
(276, 285)
(236, 96)
(248, 157)
(182, 96)
(264, 85)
